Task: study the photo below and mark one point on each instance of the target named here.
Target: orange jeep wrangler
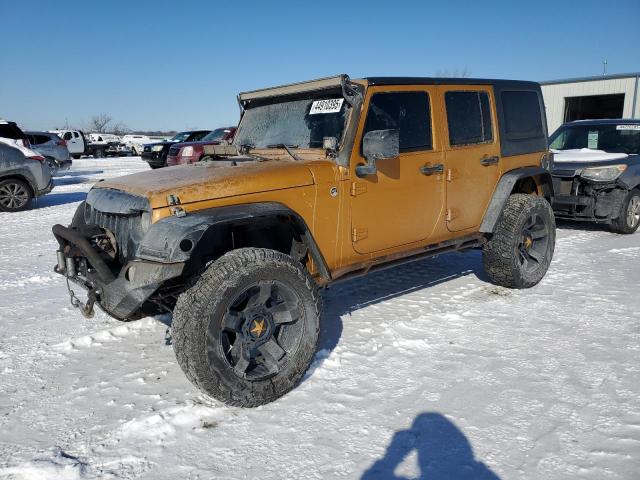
(325, 180)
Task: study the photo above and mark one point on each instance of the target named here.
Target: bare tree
(120, 129)
(99, 123)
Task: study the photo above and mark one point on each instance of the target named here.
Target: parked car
(76, 141)
(135, 143)
(596, 172)
(24, 174)
(330, 179)
(51, 147)
(192, 152)
(155, 154)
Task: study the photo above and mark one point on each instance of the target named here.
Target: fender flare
(163, 241)
(505, 187)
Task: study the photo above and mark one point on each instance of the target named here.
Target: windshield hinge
(178, 212)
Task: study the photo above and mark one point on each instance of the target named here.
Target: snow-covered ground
(425, 370)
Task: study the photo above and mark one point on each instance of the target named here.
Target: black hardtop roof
(450, 81)
(605, 121)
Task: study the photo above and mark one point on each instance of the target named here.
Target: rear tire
(629, 217)
(247, 331)
(520, 250)
(15, 195)
(76, 156)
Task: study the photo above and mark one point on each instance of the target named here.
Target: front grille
(127, 229)
(121, 214)
(173, 151)
(147, 149)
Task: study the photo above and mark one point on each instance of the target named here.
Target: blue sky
(176, 65)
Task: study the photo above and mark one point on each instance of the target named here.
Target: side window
(408, 112)
(468, 117)
(522, 116)
(67, 136)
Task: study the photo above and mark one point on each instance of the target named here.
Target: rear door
(472, 154)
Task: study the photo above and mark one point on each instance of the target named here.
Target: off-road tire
(99, 154)
(17, 187)
(76, 156)
(198, 322)
(624, 223)
(501, 257)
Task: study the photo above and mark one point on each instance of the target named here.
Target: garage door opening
(593, 106)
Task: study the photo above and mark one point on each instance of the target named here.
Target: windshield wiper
(244, 150)
(287, 148)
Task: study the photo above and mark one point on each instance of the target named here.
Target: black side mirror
(378, 145)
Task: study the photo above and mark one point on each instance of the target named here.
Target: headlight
(157, 148)
(603, 174)
(186, 152)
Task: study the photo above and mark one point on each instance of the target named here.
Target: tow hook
(86, 309)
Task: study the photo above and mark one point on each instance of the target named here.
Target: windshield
(180, 137)
(217, 134)
(610, 138)
(296, 123)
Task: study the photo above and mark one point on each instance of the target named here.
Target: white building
(606, 96)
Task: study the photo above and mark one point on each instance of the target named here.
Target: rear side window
(407, 112)
(75, 134)
(468, 117)
(522, 116)
(11, 131)
(38, 139)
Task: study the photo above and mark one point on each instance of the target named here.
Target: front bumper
(578, 199)
(46, 189)
(155, 159)
(120, 290)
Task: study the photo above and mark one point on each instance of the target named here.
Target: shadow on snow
(443, 452)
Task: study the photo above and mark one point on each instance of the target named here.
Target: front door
(400, 204)
(472, 155)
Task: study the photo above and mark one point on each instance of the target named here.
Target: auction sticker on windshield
(331, 105)
(628, 127)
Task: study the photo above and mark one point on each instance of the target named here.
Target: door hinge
(449, 174)
(359, 234)
(358, 188)
(452, 214)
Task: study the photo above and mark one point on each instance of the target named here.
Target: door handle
(431, 169)
(486, 161)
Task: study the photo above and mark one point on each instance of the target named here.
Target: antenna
(604, 67)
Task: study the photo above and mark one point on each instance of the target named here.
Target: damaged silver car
(596, 172)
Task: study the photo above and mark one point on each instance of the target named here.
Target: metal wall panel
(554, 95)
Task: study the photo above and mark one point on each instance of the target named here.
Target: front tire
(247, 331)
(15, 195)
(629, 218)
(520, 250)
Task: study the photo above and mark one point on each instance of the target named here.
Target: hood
(570, 162)
(209, 180)
(586, 155)
(198, 143)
